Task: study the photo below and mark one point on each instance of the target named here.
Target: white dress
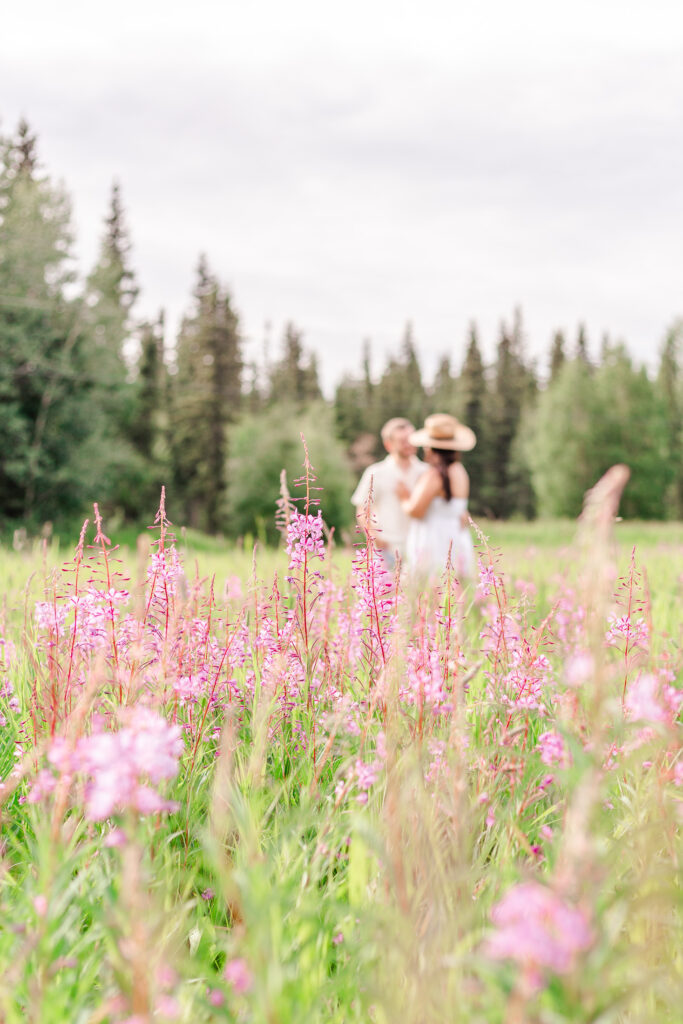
(441, 530)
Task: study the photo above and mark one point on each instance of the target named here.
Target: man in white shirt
(388, 523)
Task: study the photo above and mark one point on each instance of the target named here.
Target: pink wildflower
(43, 784)
(539, 930)
(552, 748)
(304, 536)
(487, 579)
(40, 905)
(119, 764)
(579, 668)
(366, 774)
(372, 583)
(643, 701)
(233, 588)
(623, 630)
(115, 837)
(238, 975)
(168, 1006)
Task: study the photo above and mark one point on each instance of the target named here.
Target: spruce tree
(400, 391)
(206, 398)
(354, 418)
(111, 289)
(514, 387)
(294, 378)
(582, 345)
(670, 389)
(444, 390)
(472, 409)
(149, 422)
(557, 354)
(350, 411)
(47, 399)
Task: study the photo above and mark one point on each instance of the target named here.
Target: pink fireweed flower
(579, 668)
(623, 630)
(49, 617)
(526, 588)
(163, 571)
(487, 579)
(539, 930)
(233, 588)
(238, 975)
(304, 537)
(366, 776)
(40, 905)
(43, 784)
(8, 653)
(673, 700)
(644, 701)
(372, 583)
(120, 765)
(168, 1006)
(438, 763)
(501, 633)
(552, 749)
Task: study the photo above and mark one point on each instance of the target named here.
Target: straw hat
(444, 431)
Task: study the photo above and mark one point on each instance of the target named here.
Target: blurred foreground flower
(539, 930)
(120, 765)
(237, 974)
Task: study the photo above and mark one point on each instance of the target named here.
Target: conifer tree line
(96, 404)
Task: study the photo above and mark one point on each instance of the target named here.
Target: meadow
(274, 786)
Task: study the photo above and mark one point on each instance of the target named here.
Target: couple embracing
(419, 509)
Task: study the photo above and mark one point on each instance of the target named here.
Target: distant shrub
(265, 443)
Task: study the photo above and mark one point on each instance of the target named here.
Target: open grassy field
(267, 786)
(538, 552)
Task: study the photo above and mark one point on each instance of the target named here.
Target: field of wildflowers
(333, 795)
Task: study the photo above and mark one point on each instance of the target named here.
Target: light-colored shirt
(389, 518)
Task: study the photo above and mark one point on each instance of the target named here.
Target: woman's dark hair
(446, 458)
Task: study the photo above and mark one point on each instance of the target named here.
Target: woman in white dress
(437, 505)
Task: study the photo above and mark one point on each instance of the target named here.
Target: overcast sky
(351, 166)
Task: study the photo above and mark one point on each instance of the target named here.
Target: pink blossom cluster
(425, 675)
(538, 929)
(7, 695)
(623, 630)
(119, 766)
(165, 569)
(373, 585)
(366, 777)
(487, 579)
(50, 617)
(304, 538)
(237, 974)
(552, 748)
(648, 700)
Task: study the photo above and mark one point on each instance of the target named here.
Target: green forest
(97, 404)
